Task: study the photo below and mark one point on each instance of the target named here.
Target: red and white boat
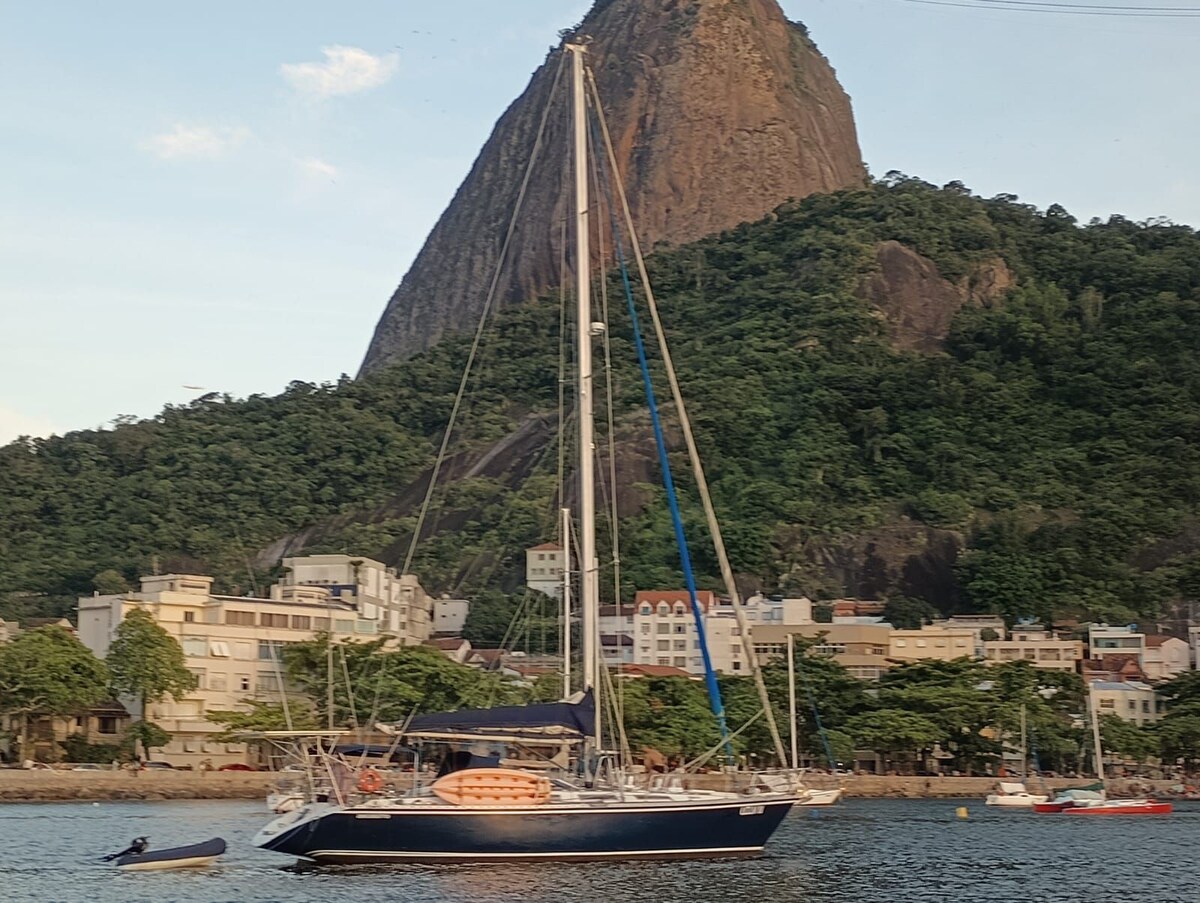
(1087, 801)
(1121, 807)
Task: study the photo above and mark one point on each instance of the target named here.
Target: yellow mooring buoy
(961, 812)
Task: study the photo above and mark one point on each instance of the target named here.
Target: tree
(372, 684)
(148, 734)
(1179, 730)
(147, 663)
(906, 613)
(48, 672)
(110, 582)
(893, 732)
(1126, 738)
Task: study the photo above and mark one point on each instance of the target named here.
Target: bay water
(863, 851)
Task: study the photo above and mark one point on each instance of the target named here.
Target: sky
(223, 196)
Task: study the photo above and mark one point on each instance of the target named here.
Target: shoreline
(17, 786)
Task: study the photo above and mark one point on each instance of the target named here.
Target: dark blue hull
(617, 831)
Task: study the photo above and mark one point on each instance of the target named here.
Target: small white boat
(281, 801)
(196, 855)
(1013, 795)
(820, 797)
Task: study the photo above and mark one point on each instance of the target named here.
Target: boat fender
(370, 781)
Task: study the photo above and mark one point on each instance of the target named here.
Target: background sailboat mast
(589, 591)
(1095, 711)
(566, 602)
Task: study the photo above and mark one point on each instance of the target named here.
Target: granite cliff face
(720, 111)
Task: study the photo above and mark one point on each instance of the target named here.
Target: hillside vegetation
(1054, 438)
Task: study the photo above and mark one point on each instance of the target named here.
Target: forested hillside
(1052, 433)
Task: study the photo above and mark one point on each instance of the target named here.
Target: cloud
(195, 141)
(13, 424)
(316, 169)
(346, 70)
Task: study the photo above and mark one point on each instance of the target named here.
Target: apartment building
(862, 649)
(663, 629)
(1104, 640)
(1131, 700)
(1036, 645)
(233, 644)
(544, 569)
(930, 642)
(397, 602)
(1166, 657)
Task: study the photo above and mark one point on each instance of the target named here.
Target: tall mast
(1024, 747)
(1094, 706)
(566, 602)
(589, 594)
(791, 647)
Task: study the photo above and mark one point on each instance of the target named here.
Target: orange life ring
(370, 781)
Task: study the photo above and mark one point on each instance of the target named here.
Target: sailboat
(1013, 794)
(476, 811)
(810, 797)
(1093, 802)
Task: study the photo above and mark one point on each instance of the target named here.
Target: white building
(450, 616)
(1105, 640)
(1036, 645)
(544, 569)
(375, 590)
(1132, 700)
(937, 643)
(659, 629)
(232, 644)
(1166, 657)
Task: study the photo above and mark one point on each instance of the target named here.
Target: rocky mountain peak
(720, 111)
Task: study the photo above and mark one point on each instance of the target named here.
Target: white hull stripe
(163, 864)
(550, 810)
(615, 854)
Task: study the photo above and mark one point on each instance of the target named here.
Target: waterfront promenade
(49, 786)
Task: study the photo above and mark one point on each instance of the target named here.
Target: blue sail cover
(542, 720)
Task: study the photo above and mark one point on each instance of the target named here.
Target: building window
(301, 622)
(268, 683)
(737, 666)
(189, 617)
(243, 682)
(680, 645)
(664, 645)
(106, 724)
(680, 661)
(681, 628)
(241, 618)
(645, 628)
(219, 648)
(1107, 704)
(646, 609)
(664, 660)
(194, 645)
(267, 619)
(200, 682)
(218, 683)
(663, 628)
(270, 651)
